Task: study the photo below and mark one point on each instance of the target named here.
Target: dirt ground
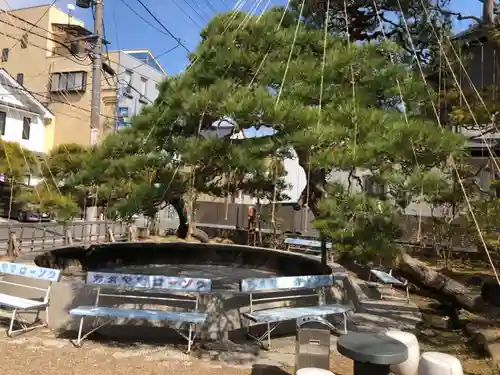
(39, 352)
(454, 342)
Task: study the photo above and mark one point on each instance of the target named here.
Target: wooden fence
(26, 237)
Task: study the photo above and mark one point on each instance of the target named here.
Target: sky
(183, 18)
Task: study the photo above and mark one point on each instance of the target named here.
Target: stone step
(382, 323)
(388, 305)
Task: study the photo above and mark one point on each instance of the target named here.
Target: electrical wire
(41, 36)
(36, 23)
(202, 15)
(43, 48)
(163, 26)
(144, 19)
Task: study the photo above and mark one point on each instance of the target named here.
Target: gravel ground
(40, 353)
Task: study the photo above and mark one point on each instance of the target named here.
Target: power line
(44, 37)
(35, 94)
(202, 17)
(163, 26)
(80, 62)
(209, 4)
(36, 23)
(144, 19)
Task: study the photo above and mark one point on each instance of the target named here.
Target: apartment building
(138, 76)
(47, 51)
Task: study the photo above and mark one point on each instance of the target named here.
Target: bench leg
(80, 327)
(80, 338)
(11, 325)
(345, 322)
(25, 326)
(189, 337)
(266, 335)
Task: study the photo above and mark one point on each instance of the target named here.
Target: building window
(127, 77)
(26, 128)
(20, 78)
(127, 80)
(142, 87)
(69, 81)
(3, 120)
(5, 54)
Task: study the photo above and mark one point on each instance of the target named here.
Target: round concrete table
(372, 354)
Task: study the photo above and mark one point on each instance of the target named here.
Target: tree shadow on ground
(267, 370)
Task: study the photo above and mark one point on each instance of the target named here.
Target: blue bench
(305, 245)
(17, 304)
(129, 289)
(272, 289)
(386, 278)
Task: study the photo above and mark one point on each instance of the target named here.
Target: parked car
(20, 211)
(25, 213)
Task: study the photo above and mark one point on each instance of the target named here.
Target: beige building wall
(37, 61)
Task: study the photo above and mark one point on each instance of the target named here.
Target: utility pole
(95, 120)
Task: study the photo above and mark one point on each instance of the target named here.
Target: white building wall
(14, 121)
(14, 129)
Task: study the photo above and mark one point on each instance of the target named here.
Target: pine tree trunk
(179, 206)
(418, 273)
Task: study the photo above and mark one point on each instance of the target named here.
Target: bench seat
(20, 303)
(386, 278)
(115, 312)
(289, 313)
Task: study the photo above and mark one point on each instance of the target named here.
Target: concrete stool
(313, 371)
(434, 363)
(410, 366)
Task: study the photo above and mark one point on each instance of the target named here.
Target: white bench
(386, 278)
(272, 290)
(129, 289)
(305, 245)
(20, 304)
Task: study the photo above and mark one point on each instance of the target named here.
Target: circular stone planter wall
(226, 265)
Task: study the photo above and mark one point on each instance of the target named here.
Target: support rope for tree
(452, 159)
(259, 68)
(296, 33)
(462, 94)
(320, 105)
(353, 83)
(474, 87)
(405, 114)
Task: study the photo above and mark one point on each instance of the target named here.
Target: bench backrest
(33, 272)
(256, 287)
(153, 283)
(135, 281)
(40, 273)
(294, 241)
